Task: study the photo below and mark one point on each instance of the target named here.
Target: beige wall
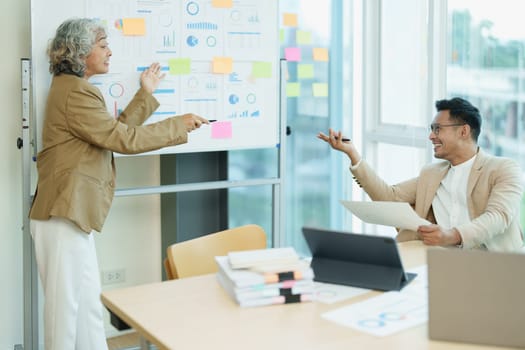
(15, 45)
(131, 236)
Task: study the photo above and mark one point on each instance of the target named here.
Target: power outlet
(113, 276)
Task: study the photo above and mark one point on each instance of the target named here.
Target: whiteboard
(221, 60)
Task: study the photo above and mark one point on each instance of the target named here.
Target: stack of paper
(266, 277)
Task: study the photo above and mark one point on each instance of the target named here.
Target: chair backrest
(197, 256)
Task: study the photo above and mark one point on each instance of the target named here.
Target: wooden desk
(195, 313)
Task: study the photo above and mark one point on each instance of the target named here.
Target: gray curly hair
(72, 43)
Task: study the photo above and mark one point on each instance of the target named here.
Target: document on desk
(396, 214)
(389, 312)
(329, 293)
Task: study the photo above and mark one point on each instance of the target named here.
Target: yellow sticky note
(133, 26)
(320, 89)
(293, 89)
(305, 71)
(179, 66)
(222, 65)
(289, 19)
(303, 37)
(262, 69)
(222, 3)
(320, 54)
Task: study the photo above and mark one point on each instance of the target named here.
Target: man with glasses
(471, 198)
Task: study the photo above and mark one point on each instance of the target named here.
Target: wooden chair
(197, 256)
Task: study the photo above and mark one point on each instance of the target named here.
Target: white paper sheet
(329, 293)
(396, 214)
(389, 312)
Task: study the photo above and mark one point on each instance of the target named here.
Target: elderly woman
(76, 177)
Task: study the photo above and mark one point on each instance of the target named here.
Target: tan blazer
(76, 170)
(494, 192)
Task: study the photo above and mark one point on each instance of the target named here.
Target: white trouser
(68, 268)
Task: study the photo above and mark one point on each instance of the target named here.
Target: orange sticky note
(320, 54)
(134, 26)
(222, 65)
(222, 3)
(289, 19)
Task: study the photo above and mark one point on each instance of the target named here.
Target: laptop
(476, 297)
(357, 260)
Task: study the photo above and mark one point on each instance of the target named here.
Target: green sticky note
(281, 35)
(179, 66)
(303, 37)
(262, 69)
(293, 89)
(320, 89)
(305, 71)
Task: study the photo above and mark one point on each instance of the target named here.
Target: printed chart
(390, 312)
(220, 58)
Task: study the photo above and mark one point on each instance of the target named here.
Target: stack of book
(266, 277)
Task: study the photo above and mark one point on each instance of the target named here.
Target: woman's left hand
(151, 77)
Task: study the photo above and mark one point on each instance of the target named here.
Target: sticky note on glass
(303, 37)
(222, 65)
(221, 130)
(320, 54)
(179, 66)
(262, 69)
(289, 19)
(292, 54)
(222, 3)
(320, 89)
(133, 26)
(293, 89)
(281, 35)
(305, 71)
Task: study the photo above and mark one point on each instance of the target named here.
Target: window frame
(373, 132)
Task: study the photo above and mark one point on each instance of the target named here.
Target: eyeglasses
(435, 128)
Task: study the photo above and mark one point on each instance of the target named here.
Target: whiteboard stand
(30, 273)
(279, 188)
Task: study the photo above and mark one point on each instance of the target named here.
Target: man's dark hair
(462, 111)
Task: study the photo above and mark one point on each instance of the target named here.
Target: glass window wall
(485, 59)
(311, 172)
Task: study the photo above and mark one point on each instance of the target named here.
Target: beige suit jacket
(494, 192)
(76, 170)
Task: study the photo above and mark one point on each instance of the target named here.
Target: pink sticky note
(292, 54)
(221, 130)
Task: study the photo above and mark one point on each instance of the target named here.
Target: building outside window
(485, 60)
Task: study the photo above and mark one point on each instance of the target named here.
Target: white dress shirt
(450, 203)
